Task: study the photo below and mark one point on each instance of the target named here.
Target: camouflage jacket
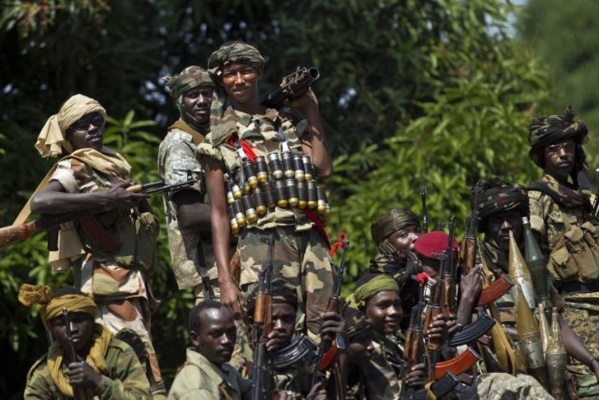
(125, 379)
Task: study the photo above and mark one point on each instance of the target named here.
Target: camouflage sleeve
(39, 383)
(129, 380)
(65, 175)
(537, 212)
(177, 161)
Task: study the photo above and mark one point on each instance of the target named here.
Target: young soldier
(104, 366)
(113, 248)
(242, 130)
(206, 374)
(187, 210)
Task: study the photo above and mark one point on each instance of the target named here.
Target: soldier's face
(360, 350)
(559, 159)
(87, 132)
(217, 335)
(283, 320)
(384, 312)
(197, 102)
(500, 225)
(81, 325)
(240, 81)
(404, 238)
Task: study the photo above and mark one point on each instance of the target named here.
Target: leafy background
(433, 92)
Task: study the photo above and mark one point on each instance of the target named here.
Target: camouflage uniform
(177, 163)
(199, 378)
(125, 377)
(301, 256)
(386, 363)
(123, 297)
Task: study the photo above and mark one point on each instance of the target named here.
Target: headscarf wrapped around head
(499, 196)
(547, 130)
(51, 306)
(222, 120)
(51, 140)
(395, 219)
(370, 285)
(190, 78)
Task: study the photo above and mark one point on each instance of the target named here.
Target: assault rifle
(262, 382)
(327, 351)
(424, 210)
(79, 392)
(10, 235)
(415, 354)
(468, 249)
(292, 86)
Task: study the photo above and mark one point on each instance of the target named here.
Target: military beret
(433, 244)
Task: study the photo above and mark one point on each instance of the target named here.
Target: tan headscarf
(51, 141)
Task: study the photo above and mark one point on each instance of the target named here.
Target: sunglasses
(83, 124)
(567, 146)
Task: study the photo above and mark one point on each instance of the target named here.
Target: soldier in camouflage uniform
(187, 210)
(559, 204)
(106, 368)
(395, 233)
(242, 129)
(111, 251)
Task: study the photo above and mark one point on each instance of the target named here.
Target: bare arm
(54, 200)
(576, 348)
(214, 174)
(314, 141)
(191, 212)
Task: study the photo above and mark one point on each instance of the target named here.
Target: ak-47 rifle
(424, 210)
(262, 382)
(10, 235)
(327, 351)
(468, 250)
(415, 354)
(292, 86)
(79, 392)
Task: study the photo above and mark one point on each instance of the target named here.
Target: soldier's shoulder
(39, 365)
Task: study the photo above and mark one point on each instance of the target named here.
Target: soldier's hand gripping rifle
(415, 353)
(292, 86)
(327, 350)
(10, 235)
(262, 382)
(79, 392)
(468, 250)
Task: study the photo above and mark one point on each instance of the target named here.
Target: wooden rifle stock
(458, 364)
(495, 290)
(292, 86)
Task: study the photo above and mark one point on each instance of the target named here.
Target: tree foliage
(411, 92)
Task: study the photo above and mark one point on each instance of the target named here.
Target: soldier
(242, 130)
(105, 366)
(112, 250)
(187, 210)
(294, 356)
(395, 233)
(377, 296)
(560, 207)
(206, 374)
(501, 208)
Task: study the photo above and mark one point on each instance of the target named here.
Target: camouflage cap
(500, 196)
(355, 322)
(546, 130)
(233, 52)
(191, 77)
(280, 291)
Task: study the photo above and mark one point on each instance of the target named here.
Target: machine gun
(292, 86)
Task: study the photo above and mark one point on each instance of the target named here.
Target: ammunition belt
(259, 187)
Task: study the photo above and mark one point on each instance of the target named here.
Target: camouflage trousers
(300, 259)
(133, 314)
(500, 386)
(582, 313)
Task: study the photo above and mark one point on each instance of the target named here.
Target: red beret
(433, 244)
